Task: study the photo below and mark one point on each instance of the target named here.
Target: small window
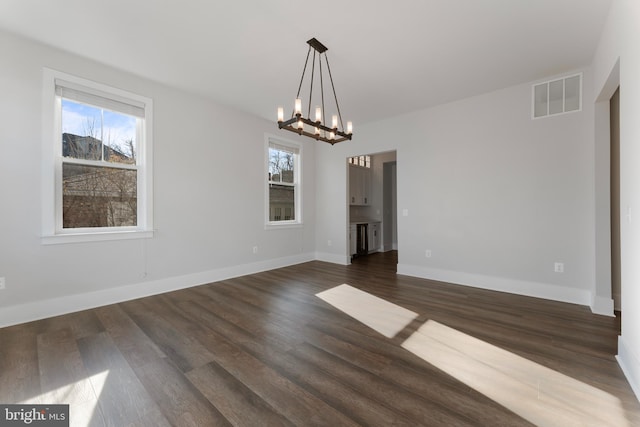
(557, 96)
(364, 161)
(99, 160)
(283, 183)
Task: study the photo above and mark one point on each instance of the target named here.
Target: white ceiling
(387, 57)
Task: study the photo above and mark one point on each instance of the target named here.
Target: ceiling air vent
(557, 96)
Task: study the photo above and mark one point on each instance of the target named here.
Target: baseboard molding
(630, 364)
(36, 310)
(333, 258)
(601, 305)
(512, 286)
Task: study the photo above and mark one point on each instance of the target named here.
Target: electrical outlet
(558, 267)
(3, 283)
(255, 249)
(427, 253)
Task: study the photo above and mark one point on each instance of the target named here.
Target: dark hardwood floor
(263, 350)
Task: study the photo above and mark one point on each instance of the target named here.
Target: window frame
(548, 83)
(52, 162)
(297, 183)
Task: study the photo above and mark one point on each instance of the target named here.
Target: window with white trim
(283, 196)
(364, 161)
(557, 96)
(98, 157)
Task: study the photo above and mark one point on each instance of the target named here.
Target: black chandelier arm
(313, 72)
(334, 92)
(324, 116)
(304, 70)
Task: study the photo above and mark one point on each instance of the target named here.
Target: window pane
(572, 93)
(540, 100)
(98, 196)
(281, 198)
(281, 164)
(93, 133)
(119, 133)
(556, 95)
(81, 131)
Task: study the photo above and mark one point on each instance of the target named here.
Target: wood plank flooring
(263, 350)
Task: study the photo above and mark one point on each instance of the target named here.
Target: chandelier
(316, 129)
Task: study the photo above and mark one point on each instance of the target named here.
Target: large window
(283, 183)
(99, 159)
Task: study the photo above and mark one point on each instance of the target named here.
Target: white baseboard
(36, 310)
(630, 364)
(512, 286)
(601, 305)
(387, 247)
(333, 258)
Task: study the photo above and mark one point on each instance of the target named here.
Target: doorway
(607, 190)
(614, 126)
(371, 186)
(390, 207)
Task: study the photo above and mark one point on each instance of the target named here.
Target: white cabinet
(359, 185)
(353, 239)
(369, 241)
(374, 237)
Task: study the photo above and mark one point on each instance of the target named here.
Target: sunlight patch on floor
(382, 316)
(536, 393)
(81, 396)
(540, 395)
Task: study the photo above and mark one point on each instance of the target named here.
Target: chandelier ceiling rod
(304, 71)
(313, 71)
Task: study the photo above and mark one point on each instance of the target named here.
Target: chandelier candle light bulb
(334, 121)
(298, 106)
(280, 114)
(318, 114)
(349, 128)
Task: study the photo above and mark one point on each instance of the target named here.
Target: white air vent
(557, 96)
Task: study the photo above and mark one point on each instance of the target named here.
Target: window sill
(283, 224)
(59, 239)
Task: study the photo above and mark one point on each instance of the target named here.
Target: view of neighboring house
(96, 196)
(281, 196)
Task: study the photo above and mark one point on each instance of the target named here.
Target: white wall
(497, 197)
(618, 53)
(208, 199)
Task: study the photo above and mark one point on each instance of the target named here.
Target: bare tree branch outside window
(281, 188)
(99, 194)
